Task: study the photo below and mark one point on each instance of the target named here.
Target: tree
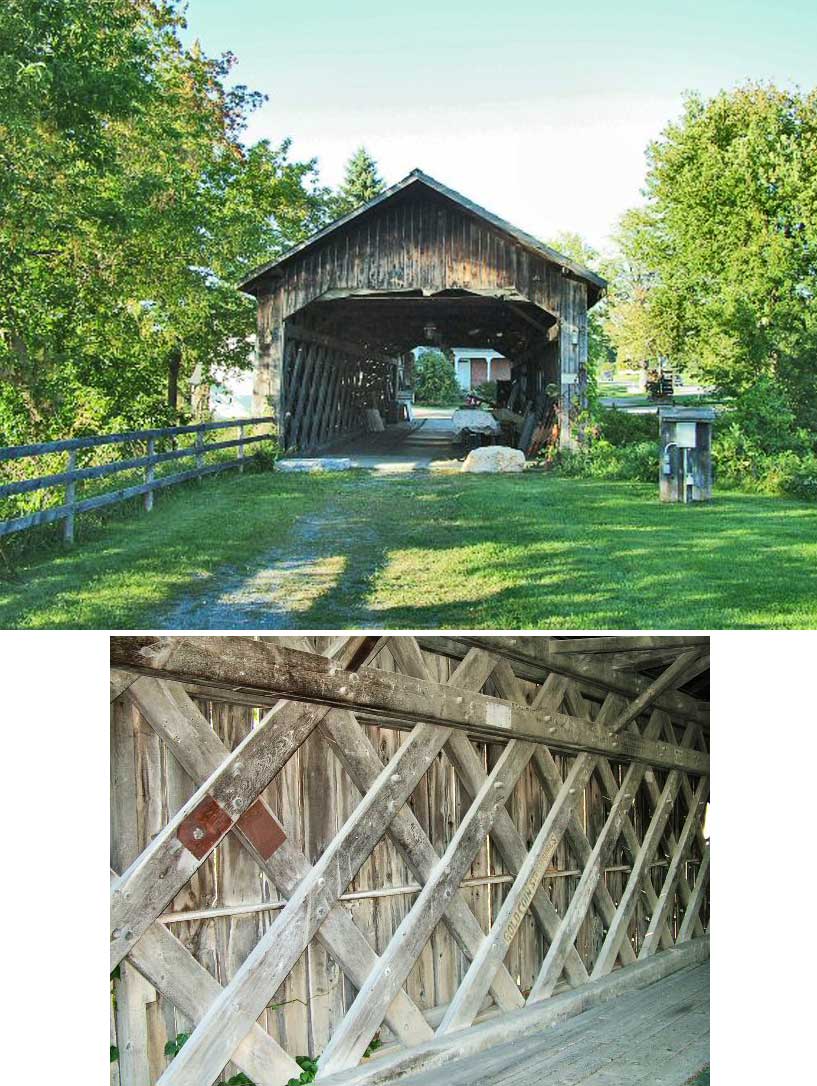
(436, 383)
(361, 183)
(130, 208)
(728, 244)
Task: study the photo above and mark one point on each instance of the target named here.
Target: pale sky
(539, 111)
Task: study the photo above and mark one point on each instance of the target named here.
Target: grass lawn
(448, 551)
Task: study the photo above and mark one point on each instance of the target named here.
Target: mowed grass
(447, 551)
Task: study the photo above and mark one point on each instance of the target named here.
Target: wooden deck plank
(657, 1034)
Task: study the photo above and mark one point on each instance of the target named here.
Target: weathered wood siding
(420, 241)
(313, 797)
(423, 241)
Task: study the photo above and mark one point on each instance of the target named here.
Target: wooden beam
(553, 963)
(170, 967)
(504, 834)
(621, 644)
(617, 931)
(548, 772)
(170, 860)
(238, 661)
(230, 1017)
(610, 783)
(435, 1056)
(474, 986)
(679, 858)
(686, 667)
(194, 743)
(360, 760)
(359, 1025)
(694, 905)
(532, 658)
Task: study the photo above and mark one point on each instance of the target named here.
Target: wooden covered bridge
(444, 859)
(418, 265)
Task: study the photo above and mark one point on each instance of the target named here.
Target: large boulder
(494, 458)
(466, 418)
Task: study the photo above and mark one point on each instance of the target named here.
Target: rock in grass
(317, 463)
(494, 458)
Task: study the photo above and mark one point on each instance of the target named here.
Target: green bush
(487, 390)
(436, 383)
(624, 427)
(603, 460)
(758, 447)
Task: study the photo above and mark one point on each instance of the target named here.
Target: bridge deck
(655, 1036)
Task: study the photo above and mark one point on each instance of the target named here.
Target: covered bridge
(417, 265)
(431, 860)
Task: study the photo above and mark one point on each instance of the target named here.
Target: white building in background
(476, 366)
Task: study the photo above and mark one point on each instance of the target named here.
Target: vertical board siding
(313, 797)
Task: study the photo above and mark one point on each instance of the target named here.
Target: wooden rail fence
(319, 844)
(72, 475)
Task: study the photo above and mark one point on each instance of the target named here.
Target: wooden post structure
(70, 498)
(150, 473)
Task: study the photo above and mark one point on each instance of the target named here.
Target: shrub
(603, 460)
(436, 383)
(625, 427)
(487, 390)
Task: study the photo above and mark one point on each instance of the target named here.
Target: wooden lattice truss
(592, 706)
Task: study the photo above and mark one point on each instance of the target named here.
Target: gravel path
(279, 590)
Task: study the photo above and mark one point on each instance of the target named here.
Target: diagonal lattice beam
(574, 916)
(231, 1016)
(504, 834)
(360, 760)
(617, 932)
(174, 855)
(173, 715)
(170, 967)
(650, 944)
(695, 901)
(474, 986)
(508, 684)
(669, 836)
(686, 667)
(610, 785)
(359, 1025)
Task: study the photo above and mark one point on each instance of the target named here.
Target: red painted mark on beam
(204, 827)
(262, 828)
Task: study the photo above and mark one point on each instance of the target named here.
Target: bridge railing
(68, 479)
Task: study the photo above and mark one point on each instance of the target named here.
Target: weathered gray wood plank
(217, 1035)
(171, 712)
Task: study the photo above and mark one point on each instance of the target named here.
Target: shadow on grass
(551, 553)
(434, 552)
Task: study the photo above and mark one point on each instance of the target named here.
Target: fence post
(70, 496)
(241, 446)
(199, 451)
(150, 474)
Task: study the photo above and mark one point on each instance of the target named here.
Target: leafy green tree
(727, 246)
(361, 183)
(130, 206)
(436, 383)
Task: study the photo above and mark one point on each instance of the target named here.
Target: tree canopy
(130, 207)
(719, 269)
(361, 182)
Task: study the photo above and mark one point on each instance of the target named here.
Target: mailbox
(686, 453)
